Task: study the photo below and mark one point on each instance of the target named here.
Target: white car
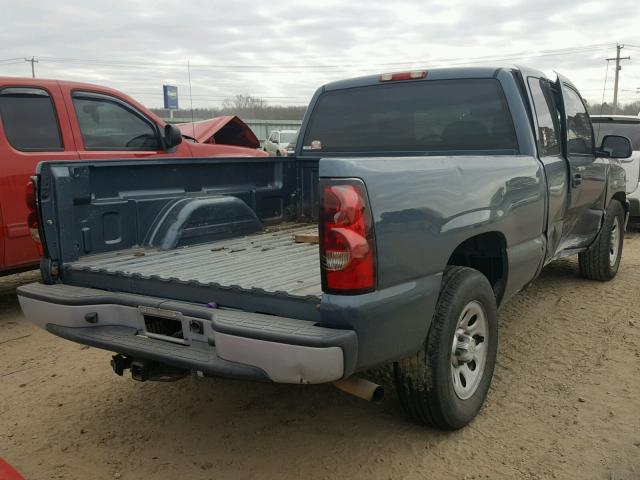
(291, 148)
(278, 141)
(627, 126)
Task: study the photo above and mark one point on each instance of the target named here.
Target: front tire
(445, 384)
(602, 260)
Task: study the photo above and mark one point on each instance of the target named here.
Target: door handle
(577, 179)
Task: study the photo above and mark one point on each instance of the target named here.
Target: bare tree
(243, 102)
(607, 109)
(246, 107)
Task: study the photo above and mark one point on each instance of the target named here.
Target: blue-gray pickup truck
(415, 205)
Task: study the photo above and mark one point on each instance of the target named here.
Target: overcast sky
(283, 50)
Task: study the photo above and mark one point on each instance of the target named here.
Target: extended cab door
(548, 135)
(587, 173)
(33, 127)
(105, 126)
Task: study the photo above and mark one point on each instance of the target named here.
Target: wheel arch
(487, 253)
(621, 197)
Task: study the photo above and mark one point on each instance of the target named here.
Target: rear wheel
(602, 260)
(445, 384)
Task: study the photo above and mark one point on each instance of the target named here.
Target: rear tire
(445, 384)
(602, 260)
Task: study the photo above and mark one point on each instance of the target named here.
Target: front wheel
(602, 260)
(445, 384)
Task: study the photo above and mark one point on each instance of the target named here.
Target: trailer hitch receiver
(143, 370)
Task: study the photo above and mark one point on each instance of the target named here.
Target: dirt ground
(563, 404)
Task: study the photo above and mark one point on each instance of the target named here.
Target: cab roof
(449, 73)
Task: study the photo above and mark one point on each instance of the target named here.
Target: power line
(543, 53)
(300, 100)
(229, 68)
(328, 71)
(204, 95)
(568, 50)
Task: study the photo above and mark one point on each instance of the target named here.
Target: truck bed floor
(270, 261)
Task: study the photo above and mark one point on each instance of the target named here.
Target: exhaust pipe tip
(361, 388)
(378, 394)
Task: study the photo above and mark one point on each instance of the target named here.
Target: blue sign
(170, 97)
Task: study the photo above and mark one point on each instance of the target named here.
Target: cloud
(284, 50)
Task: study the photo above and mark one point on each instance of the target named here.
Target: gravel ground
(563, 404)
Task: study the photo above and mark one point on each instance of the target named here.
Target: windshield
(438, 115)
(630, 129)
(288, 137)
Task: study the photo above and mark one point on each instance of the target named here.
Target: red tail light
(347, 243)
(33, 220)
(399, 76)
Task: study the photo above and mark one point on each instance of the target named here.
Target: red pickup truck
(52, 120)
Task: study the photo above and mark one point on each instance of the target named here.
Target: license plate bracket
(167, 325)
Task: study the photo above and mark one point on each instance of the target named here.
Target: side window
(107, 124)
(546, 113)
(29, 119)
(274, 137)
(579, 133)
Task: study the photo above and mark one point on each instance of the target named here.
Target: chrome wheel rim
(469, 350)
(614, 242)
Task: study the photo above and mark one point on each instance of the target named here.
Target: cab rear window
(424, 116)
(29, 119)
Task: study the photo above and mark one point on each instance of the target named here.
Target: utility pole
(32, 61)
(618, 68)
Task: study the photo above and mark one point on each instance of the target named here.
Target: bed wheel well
(622, 198)
(486, 253)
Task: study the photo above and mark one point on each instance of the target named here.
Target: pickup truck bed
(270, 261)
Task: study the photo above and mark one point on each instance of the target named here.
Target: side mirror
(615, 146)
(172, 136)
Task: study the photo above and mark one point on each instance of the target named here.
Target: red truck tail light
(347, 242)
(33, 221)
